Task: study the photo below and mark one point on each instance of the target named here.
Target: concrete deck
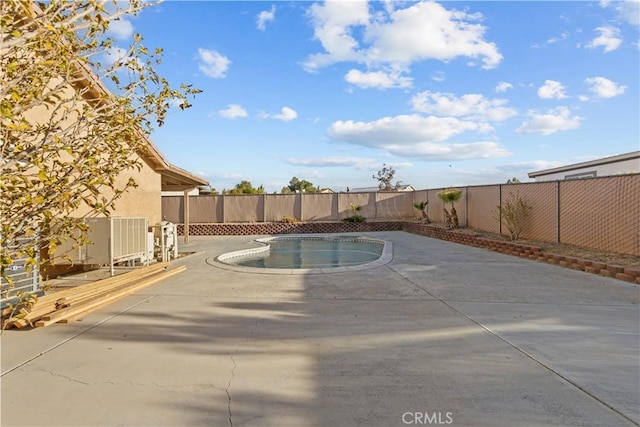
(443, 333)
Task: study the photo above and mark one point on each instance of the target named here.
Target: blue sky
(449, 93)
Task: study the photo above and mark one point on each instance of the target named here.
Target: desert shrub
(289, 220)
(513, 212)
(355, 216)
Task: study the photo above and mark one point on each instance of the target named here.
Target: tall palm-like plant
(450, 196)
(422, 206)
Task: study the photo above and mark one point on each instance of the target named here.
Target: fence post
(466, 206)
(500, 210)
(413, 200)
(264, 207)
(301, 206)
(375, 205)
(224, 207)
(186, 215)
(558, 211)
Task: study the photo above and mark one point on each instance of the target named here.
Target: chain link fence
(598, 213)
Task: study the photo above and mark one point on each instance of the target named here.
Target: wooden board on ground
(76, 302)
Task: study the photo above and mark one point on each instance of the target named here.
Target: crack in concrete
(233, 371)
(121, 383)
(67, 378)
(517, 348)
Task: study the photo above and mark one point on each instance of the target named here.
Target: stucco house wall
(622, 164)
(142, 201)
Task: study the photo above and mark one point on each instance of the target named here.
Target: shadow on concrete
(311, 355)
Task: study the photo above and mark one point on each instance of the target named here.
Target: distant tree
(384, 178)
(245, 187)
(208, 191)
(299, 186)
(513, 180)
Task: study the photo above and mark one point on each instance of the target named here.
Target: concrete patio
(443, 333)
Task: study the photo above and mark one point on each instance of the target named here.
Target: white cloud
(609, 39)
(334, 162)
(555, 120)
(604, 88)
(212, 63)
(408, 129)
(286, 114)
(266, 16)
(470, 105)
(120, 29)
(563, 36)
(627, 10)
(416, 136)
(427, 30)
(553, 40)
(332, 23)
(233, 111)
(397, 37)
(377, 79)
(438, 76)
(551, 90)
(530, 166)
(113, 54)
(503, 87)
(458, 151)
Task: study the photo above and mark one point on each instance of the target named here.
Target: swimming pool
(309, 254)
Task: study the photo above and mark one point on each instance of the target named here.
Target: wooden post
(186, 215)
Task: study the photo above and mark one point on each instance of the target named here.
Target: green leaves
(449, 196)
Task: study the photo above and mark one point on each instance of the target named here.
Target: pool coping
(385, 258)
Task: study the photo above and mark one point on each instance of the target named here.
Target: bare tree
(384, 177)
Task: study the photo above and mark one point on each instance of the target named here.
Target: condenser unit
(114, 240)
(166, 241)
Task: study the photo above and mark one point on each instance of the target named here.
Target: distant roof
(597, 162)
(403, 187)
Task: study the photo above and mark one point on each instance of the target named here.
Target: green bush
(355, 218)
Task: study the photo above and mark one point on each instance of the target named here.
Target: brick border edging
(628, 274)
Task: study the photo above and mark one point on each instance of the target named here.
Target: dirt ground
(594, 255)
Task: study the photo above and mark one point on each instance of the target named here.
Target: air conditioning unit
(115, 240)
(166, 241)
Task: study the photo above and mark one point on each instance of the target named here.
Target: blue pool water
(312, 252)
